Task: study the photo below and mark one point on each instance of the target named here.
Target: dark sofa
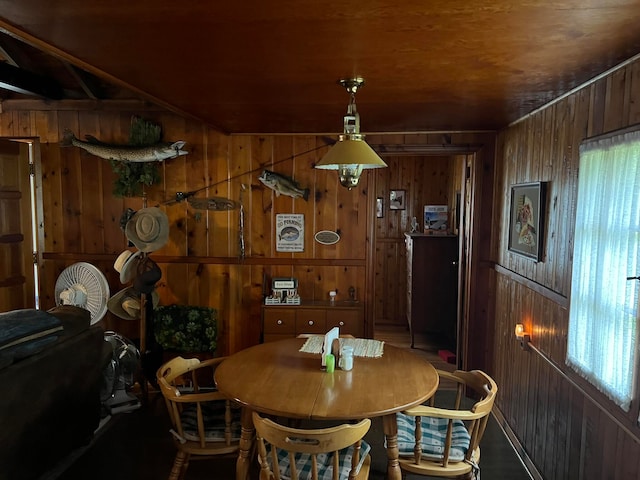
(50, 402)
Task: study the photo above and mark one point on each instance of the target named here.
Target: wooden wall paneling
(564, 429)
(627, 462)
(591, 454)
(198, 178)
(309, 286)
(558, 200)
(92, 196)
(176, 177)
(173, 287)
(607, 437)
(254, 308)
(258, 219)
(552, 170)
(221, 154)
(303, 148)
(326, 192)
(282, 204)
(634, 93)
(616, 100)
(23, 124)
(6, 123)
(551, 409)
(597, 107)
(71, 183)
(112, 206)
(378, 303)
(241, 170)
(566, 434)
(395, 172)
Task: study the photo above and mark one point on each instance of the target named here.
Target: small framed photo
(526, 219)
(397, 200)
(379, 207)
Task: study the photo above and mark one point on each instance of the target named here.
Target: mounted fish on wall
(283, 185)
(135, 164)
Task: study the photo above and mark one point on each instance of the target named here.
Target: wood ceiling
(266, 66)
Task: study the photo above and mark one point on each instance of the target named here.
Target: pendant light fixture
(351, 154)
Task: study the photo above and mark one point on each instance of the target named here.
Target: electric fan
(83, 285)
(119, 374)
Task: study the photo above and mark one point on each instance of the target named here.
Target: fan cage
(93, 281)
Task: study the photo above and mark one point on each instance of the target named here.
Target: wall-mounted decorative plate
(327, 237)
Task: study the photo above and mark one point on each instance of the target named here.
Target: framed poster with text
(289, 232)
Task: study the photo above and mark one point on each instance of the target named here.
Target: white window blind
(602, 341)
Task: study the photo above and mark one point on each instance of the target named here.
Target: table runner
(362, 347)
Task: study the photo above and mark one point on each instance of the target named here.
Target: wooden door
(17, 286)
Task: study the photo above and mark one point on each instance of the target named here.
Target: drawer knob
(341, 324)
(279, 322)
(310, 322)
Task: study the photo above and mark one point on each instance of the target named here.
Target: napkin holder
(331, 339)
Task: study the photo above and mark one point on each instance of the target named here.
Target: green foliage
(186, 328)
(131, 176)
(144, 133)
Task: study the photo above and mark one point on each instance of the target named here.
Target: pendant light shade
(350, 154)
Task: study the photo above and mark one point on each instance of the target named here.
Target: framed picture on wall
(379, 208)
(397, 200)
(526, 219)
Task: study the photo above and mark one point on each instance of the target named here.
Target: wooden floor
(137, 445)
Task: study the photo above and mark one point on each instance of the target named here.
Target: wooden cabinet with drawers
(285, 321)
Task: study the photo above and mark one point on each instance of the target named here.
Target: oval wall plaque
(327, 237)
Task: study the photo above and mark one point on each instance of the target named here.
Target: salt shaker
(346, 358)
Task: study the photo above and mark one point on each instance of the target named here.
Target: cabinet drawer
(280, 321)
(348, 321)
(309, 320)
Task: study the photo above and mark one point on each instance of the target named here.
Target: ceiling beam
(20, 81)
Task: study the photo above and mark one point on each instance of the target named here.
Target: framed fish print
(526, 219)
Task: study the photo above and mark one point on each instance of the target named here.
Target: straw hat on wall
(126, 303)
(125, 264)
(148, 229)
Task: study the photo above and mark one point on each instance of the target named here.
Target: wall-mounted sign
(327, 237)
(289, 232)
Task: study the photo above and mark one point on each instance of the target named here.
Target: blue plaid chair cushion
(434, 433)
(325, 463)
(213, 416)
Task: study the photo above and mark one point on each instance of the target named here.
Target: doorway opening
(426, 178)
(19, 245)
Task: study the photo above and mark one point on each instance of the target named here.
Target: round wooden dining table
(277, 378)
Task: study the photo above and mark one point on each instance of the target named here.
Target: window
(602, 341)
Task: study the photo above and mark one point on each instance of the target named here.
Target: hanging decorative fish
(284, 185)
(125, 153)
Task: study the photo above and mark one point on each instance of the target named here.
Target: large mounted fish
(125, 153)
(284, 185)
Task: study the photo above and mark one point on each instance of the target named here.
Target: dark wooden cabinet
(285, 321)
(432, 286)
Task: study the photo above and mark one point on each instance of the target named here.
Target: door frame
(469, 213)
(37, 224)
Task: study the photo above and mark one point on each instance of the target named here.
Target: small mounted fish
(284, 185)
(125, 153)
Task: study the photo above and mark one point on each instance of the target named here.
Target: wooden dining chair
(332, 453)
(445, 441)
(204, 423)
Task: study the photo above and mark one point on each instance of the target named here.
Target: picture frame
(397, 200)
(526, 219)
(379, 207)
